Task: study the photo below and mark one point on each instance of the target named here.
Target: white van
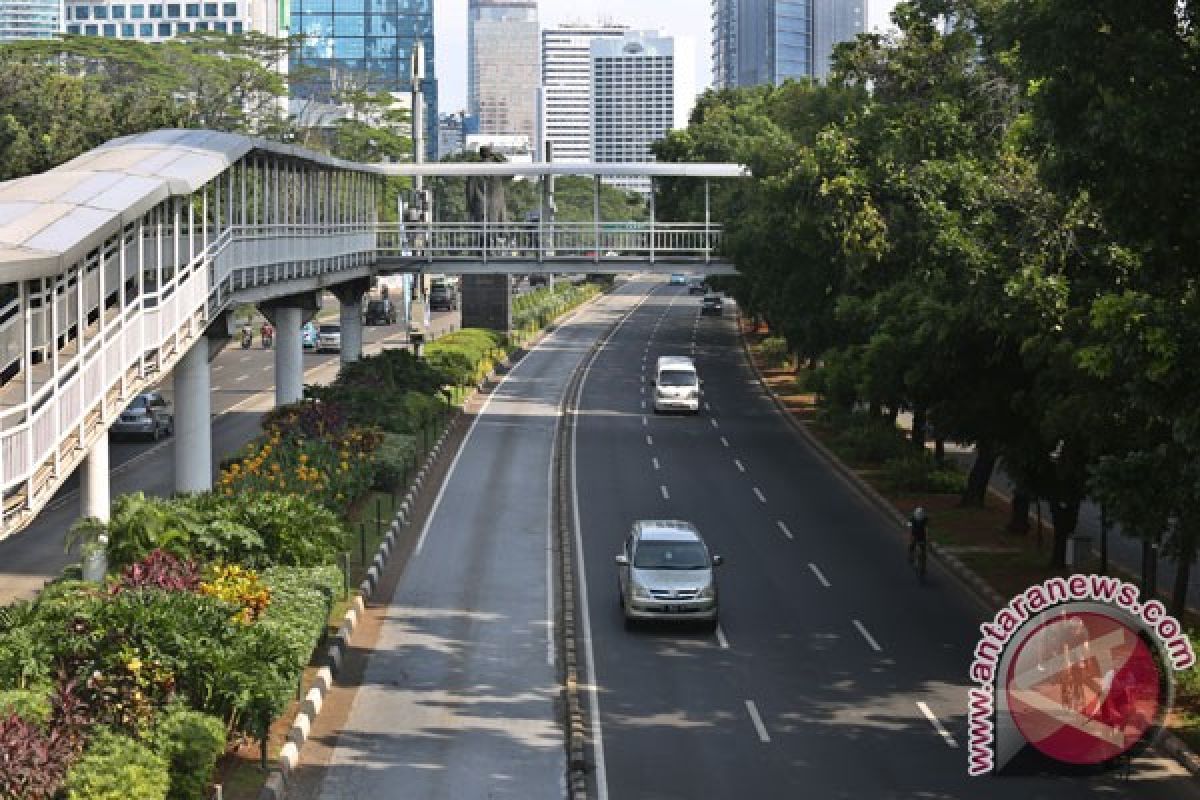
(676, 385)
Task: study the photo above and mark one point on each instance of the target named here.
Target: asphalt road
(243, 388)
(459, 696)
(833, 673)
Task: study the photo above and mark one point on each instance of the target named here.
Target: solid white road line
(937, 725)
(654, 461)
(867, 635)
(721, 640)
(758, 723)
(550, 550)
(741, 467)
(758, 493)
(666, 495)
(724, 442)
(784, 529)
(817, 571)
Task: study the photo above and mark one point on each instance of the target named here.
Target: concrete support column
(93, 481)
(289, 355)
(350, 297)
(193, 420)
(487, 302)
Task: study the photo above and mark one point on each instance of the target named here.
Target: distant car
(539, 279)
(665, 572)
(678, 279)
(380, 312)
(308, 336)
(696, 286)
(712, 304)
(148, 415)
(443, 298)
(329, 338)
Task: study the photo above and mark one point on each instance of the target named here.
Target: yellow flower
(134, 664)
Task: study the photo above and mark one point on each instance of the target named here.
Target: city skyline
(679, 18)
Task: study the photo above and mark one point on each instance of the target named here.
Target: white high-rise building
(30, 19)
(642, 87)
(567, 88)
(502, 66)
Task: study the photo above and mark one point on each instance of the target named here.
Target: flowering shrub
(160, 570)
(239, 587)
(36, 757)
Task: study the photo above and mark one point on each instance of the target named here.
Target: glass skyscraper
(365, 43)
(502, 66)
(768, 41)
(30, 19)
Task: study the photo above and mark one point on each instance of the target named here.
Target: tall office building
(502, 66)
(368, 44)
(567, 88)
(641, 89)
(769, 41)
(30, 19)
(156, 21)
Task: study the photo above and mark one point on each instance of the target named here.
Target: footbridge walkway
(124, 265)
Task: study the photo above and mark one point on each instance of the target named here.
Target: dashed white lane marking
(215, 388)
(713, 420)
(724, 442)
(784, 529)
(654, 461)
(867, 635)
(267, 368)
(218, 368)
(937, 725)
(758, 723)
(643, 390)
(241, 377)
(741, 467)
(244, 359)
(758, 493)
(643, 404)
(644, 420)
(649, 440)
(707, 407)
(817, 571)
(666, 495)
(721, 640)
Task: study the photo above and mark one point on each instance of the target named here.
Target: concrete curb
(275, 787)
(1167, 741)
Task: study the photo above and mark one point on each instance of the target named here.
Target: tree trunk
(939, 451)
(918, 428)
(1185, 554)
(1065, 515)
(980, 475)
(1149, 568)
(1018, 522)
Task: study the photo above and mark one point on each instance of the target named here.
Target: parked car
(712, 304)
(539, 279)
(665, 572)
(380, 312)
(678, 279)
(329, 338)
(443, 298)
(308, 335)
(696, 286)
(148, 415)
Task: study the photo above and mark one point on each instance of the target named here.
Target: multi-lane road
(833, 673)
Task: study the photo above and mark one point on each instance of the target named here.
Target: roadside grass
(1009, 562)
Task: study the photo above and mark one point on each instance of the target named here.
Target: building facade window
(91, 30)
(237, 26)
(191, 10)
(164, 29)
(230, 9)
(146, 30)
(183, 27)
(110, 31)
(99, 12)
(118, 12)
(210, 9)
(173, 10)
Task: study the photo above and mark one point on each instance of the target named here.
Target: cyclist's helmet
(919, 514)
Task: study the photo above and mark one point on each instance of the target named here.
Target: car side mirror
(718, 560)
(622, 560)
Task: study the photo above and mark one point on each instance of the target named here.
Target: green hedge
(466, 356)
(393, 460)
(920, 472)
(301, 600)
(116, 767)
(191, 742)
(535, 310)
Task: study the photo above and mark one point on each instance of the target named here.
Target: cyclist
(917, 526)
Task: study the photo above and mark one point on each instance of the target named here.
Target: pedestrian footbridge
(123, 265)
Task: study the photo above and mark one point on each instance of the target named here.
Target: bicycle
(917, 557)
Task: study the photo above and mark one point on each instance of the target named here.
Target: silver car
(664, 571)
(148, 415)
(329, 338)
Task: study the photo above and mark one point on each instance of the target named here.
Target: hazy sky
(691, 18)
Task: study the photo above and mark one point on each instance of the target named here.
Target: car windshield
(331, 329)
(676, 377)
(376, 305)
(670, 555)
(141, 401)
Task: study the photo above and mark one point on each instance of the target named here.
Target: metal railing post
(652, 221)
(707, 226)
